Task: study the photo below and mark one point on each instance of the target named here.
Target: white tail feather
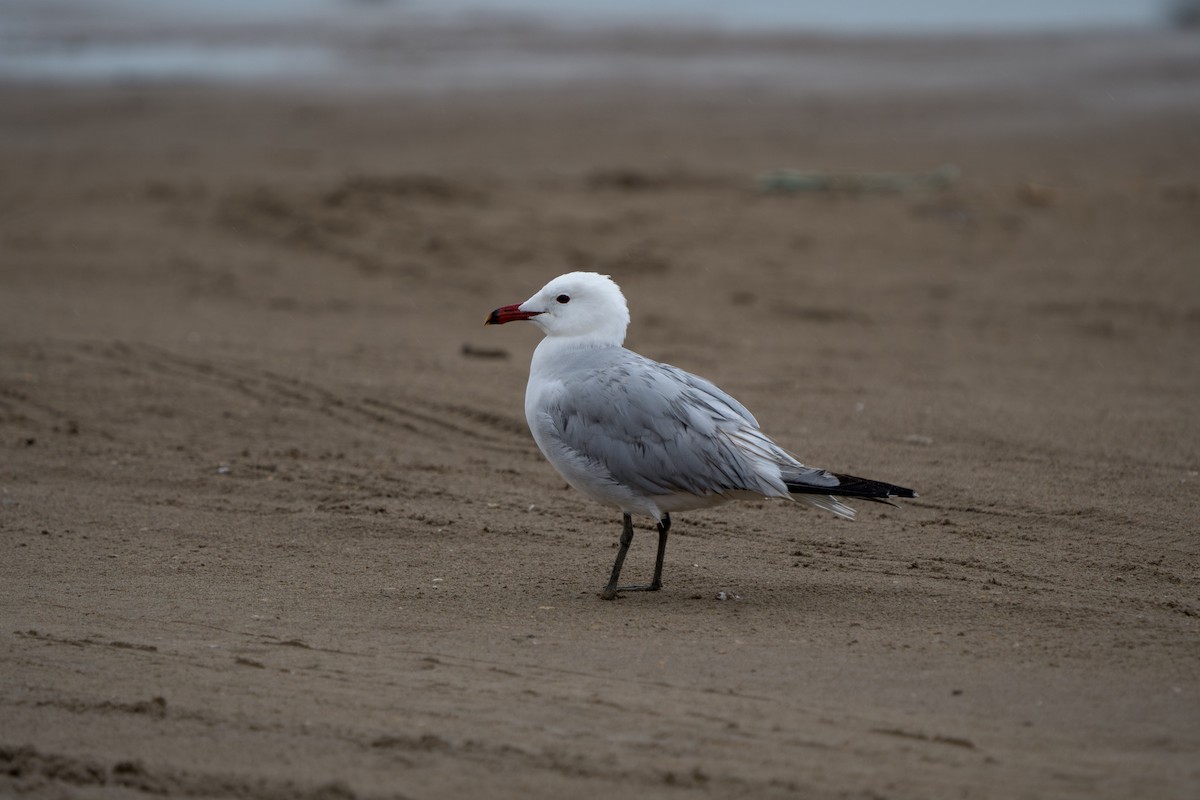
(828, 503)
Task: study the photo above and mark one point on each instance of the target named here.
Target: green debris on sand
(788, 181)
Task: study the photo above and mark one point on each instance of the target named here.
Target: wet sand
(274, 526)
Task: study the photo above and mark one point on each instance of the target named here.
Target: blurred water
(847, 17)
(150, 62)
(335, 40)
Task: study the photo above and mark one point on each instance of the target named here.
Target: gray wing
(660, 431)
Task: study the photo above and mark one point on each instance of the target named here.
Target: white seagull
(647, 437)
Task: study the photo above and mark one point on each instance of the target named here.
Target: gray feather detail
(659, 430)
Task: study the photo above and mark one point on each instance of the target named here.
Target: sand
(273, 524)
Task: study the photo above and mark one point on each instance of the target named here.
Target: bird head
(578, 304)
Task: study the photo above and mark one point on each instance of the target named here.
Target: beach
(274, 524)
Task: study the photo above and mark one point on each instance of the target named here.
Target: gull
(646, 437)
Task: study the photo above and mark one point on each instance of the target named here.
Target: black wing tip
(854, 486)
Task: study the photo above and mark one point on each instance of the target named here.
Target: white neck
(551, 348)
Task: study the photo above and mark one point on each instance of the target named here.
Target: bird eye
(562, 298)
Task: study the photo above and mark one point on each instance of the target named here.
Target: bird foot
(611, 592)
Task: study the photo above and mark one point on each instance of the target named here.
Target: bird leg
(611, 590)
(664, 525)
